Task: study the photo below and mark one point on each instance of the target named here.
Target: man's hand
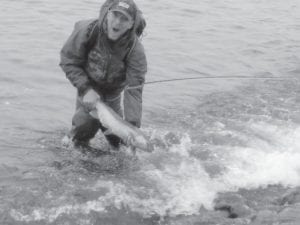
(89, 99)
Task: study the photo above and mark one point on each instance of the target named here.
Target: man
(102, 58)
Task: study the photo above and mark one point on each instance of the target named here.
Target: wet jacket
(107, 67)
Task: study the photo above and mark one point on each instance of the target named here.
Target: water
(212, 136)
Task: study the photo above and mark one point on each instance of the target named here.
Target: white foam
(273, 161)
(179, 184)
(272, 157)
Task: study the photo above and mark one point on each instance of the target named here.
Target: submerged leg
(84, 127)
(113, 140)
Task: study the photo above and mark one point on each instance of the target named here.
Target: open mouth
(115, 29)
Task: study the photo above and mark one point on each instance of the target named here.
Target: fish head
(141, 142)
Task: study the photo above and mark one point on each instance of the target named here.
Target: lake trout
(128, 133)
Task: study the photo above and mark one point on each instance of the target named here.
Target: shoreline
(270, 205)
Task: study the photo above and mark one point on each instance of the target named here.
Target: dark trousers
(85, 127)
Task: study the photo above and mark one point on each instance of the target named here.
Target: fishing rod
(216, 77)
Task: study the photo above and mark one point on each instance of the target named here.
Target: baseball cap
(126, 7)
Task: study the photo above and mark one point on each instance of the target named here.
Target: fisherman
(102, 58)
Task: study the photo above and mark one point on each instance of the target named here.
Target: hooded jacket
(107, 67)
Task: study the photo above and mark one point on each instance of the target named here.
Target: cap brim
(123, 12)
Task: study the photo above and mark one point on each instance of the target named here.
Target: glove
(90, 99)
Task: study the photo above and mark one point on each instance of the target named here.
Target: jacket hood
(129, 35)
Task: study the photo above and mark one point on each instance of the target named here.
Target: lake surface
(239, 131)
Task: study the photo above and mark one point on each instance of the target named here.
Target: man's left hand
(89, 99)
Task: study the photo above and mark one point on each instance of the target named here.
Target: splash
(271, 159)
(175, 181)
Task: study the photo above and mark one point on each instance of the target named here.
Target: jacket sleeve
(136, 70)
(73, 57)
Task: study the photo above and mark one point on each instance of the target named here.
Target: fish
(129, 134)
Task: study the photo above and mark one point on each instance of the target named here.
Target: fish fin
(128, 140)
(108, 132)
(94, 114)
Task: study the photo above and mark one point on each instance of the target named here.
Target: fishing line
(216, 77)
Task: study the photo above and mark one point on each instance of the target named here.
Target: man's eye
(120, 15)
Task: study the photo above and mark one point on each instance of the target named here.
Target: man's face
(117, 24)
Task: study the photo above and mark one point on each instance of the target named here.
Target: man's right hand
(89, 99)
